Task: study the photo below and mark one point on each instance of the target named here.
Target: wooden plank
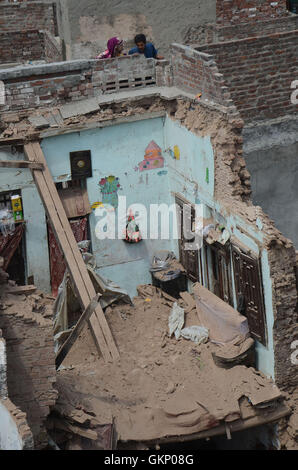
(21, 164)
(21, 290)
(66, 249)
(76, 252)
(66, 347)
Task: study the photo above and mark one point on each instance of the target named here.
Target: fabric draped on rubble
(57, 263)
(9, 244)
(161, 386)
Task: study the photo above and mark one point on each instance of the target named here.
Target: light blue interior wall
(37, 258)
(117, 151)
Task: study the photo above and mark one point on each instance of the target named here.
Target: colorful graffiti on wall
(153, 158)
(109, 187)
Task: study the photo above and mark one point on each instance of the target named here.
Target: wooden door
(249, 292)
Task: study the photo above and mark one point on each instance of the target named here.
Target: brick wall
(21, 46)
(54, 84)
(27, 15)
(30, 366)
(282, 272)
(258, 72)
(52, 48)
(196, 72)
(243, 11)
(211, 33)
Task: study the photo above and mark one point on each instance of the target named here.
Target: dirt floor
(160, 386)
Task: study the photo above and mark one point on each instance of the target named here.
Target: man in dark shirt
(144, 47)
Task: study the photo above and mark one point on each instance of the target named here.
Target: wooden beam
(73, 258)
(67, 345)
(18, 290)
(103, 325)
(21, 164)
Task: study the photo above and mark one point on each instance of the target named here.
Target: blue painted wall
(37, 256)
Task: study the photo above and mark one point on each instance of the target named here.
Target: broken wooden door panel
(57, 263)
(249, 292)
(188, 258)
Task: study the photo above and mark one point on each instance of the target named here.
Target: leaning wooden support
(73, 258)
(67, 345)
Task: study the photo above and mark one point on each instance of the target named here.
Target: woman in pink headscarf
(115, 49)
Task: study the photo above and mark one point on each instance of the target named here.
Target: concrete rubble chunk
(81, 107)
(39, 122)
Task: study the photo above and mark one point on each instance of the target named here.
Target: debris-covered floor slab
(161, 388)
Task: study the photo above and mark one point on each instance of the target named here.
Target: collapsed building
(212, 126)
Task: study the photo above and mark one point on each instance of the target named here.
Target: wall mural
(109, 187)
(152, 159)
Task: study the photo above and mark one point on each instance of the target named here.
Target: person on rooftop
(144, 47)
(114, 49)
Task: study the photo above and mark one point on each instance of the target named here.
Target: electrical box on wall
(80, 163)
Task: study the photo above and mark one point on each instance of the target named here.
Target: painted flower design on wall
(153, 158)
(109, 187)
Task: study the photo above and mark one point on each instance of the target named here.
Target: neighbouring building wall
(258, 72)
(270, 151)
(27, 15)
(235, 11)
(22, 46)
(92, 23)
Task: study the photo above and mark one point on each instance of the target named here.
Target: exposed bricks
(243, 11)
(28, 45)
(259, 72)
(27, 15)
(30, 365)
(53, 84)
(196, 72)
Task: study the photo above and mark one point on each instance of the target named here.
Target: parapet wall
(243, 11)
(258, 72)
(28, 15)
(63, 82)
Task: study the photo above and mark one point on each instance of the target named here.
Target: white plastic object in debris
(7, 225)
(176, 320)
(198, 334)
(207, 229)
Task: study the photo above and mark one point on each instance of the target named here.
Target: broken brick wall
(243, 11)
(196, 72)
(283, 275)
(52, 48)
(28, 15)
(31, 370)
(21, 46)
(258, 72)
